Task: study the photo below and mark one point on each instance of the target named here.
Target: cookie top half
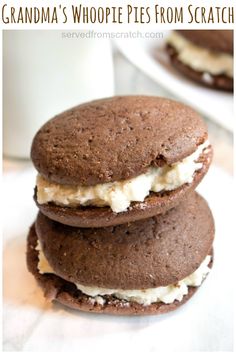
(217, 40)
(115, 139)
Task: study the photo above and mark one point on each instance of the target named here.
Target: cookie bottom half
(219, 82)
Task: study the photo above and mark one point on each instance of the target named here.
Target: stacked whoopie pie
(120, 228)
(205, 56)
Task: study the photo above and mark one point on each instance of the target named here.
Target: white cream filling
(119, 195)
(167, 294)
(199, 58)
(43, 265)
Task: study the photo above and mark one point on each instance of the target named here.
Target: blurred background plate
(149, 55)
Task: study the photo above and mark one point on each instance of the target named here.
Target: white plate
(31, 324)
(150, 56)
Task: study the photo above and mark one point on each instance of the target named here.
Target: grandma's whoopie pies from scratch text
(205, 56)
(149, 266)
(118, 160)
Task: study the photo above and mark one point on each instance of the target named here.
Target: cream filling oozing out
(167, 294)
(119, 195)
(199, 58)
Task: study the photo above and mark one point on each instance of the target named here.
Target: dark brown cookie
(217, 40)
(115, 139)
(144, 254)
(64, 292)
(220, 82)
(155, 203)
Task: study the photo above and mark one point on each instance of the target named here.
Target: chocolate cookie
(217, 40)
(114, 139)
(154, 252)
(109, 143)
(196, 68)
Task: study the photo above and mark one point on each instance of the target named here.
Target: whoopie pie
(205, 56)
(148, 266)
(119, 160)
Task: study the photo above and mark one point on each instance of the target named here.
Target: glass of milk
(45, 73)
